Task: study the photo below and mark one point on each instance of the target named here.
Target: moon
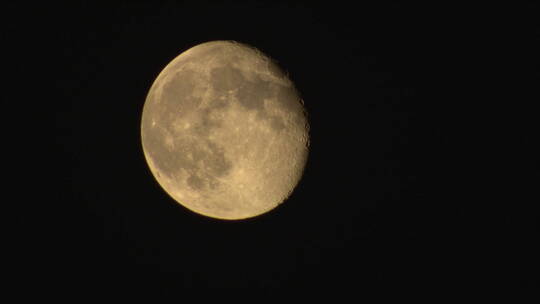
(224, 131)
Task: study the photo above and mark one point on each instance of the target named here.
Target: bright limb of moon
(224, 131)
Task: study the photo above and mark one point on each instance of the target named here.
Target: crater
(195, 182)
(288, 99)
(276, 123)
(274, 69)
(226, 78)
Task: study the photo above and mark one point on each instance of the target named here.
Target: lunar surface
(224, 131)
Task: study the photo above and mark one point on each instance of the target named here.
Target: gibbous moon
(224, 131)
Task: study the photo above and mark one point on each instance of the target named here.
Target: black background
(423, 171)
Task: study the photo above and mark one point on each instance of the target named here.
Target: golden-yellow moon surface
(224, 131)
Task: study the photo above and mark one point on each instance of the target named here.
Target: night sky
(423, 171)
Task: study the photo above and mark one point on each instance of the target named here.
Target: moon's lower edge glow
(224, 131)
